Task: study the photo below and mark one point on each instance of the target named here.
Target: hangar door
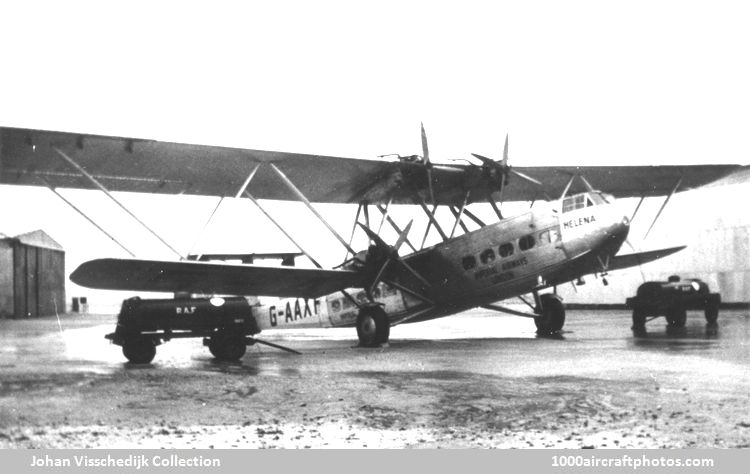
(6, 279)
(32, 277)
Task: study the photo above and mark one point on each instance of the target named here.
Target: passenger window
(526, 242)
(506, 250)
(554, 235)
(544, 238)
(336, 305)
(469, 262)
(347, 303)
(488, 256)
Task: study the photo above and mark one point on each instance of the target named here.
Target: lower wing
(212, 278)
(631, 260)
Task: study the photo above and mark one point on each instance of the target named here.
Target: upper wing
(212, 278)
(28, 157)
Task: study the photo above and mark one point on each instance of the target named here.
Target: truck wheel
(139, 350)
(639, 320)
(373, 327)
(712, 312)
(552, 315)
(227, 345)
(676, 317)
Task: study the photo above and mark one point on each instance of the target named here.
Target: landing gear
(373, 326)
(551, 314)
(227, 344)
(139, 349)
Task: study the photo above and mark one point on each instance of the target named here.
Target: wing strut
(283, 231)
(385, 214)
(471, 216)
(354, 226)
(494, 207)
(432, 219)
(669, 196)
(643, 196)
(302, 197)
(245, 184)
(429, 226)
(203, 229)
(459, 220)
(281, 228)
(57, 193)
(460, 213)
(96, 183)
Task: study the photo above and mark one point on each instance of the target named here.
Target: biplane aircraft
(573, 230)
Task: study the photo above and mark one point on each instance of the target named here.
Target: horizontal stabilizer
(633, 259)
(212, 278)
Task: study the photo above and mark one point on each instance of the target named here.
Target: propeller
(427, 164)
(390, 254)
(502, 169)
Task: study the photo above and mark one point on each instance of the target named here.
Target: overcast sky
(637, 82)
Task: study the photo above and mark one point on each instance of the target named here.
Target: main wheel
(551, 318)
(139, 350)
(712, 312)
(227, 345)
(676, 317)
(373, 327)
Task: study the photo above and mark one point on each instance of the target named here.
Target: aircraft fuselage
(544, 247)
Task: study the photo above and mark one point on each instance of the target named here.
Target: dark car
(672, 299)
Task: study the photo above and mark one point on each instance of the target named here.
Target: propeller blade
(373, 236)
(379, 275)
(505, 152)
(526, 177)
(427, 163)
(485, 160)
(425, 150)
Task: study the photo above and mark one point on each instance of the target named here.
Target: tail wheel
(676, 317)
(712, 312)
(227, 345)
(373, 327)
(139, 350)
(639, 320)
(551, 318)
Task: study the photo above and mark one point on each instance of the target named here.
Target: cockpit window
(574, 202)
(579, 201)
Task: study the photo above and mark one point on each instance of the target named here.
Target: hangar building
(32, 276)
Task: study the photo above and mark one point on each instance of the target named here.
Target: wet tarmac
(472, 380)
